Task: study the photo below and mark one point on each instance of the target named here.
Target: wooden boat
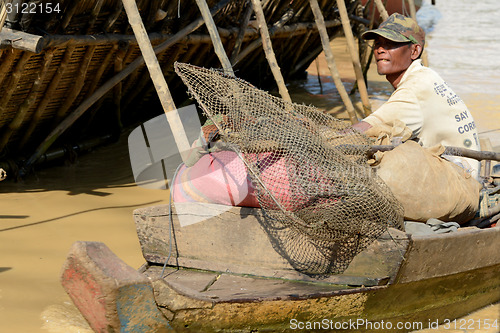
(72, 60)
(227, 273)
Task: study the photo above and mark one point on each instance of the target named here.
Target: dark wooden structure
(52, 64)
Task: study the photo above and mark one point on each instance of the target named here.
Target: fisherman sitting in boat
(422, 99)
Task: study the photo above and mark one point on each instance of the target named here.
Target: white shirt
(430, 108)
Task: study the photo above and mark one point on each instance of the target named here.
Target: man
(422, 100)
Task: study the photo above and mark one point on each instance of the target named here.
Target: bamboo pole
(346, 24)
(157, 77)
(214, 34)
(69, 14)
(268, 50)
(413, 14)
(325, 41)
(381, 9)
(99, 93)
(104, 65)
(3, 13)
(301, 46)
(5, 65)
(96, 79)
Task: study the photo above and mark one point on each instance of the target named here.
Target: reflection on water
(465, 44)
(463, 48)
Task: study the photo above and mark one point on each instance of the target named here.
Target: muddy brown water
(93, 200)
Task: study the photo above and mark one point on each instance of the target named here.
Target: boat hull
(201, 301)
(442, 277)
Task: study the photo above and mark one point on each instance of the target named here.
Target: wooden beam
(157, 77)
(455, 151)
(346, 24)
(268, 49)
(381, 9)
(325, 41)
(214, 34)
(3, 13)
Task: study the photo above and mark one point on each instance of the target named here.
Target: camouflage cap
(398, 28)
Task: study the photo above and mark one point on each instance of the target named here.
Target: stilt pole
(214, 35)
(156, 74)
(346, 24)
(3, 13)
(325, 41)
(381, 9)
(268, 50)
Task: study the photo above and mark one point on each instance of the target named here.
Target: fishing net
(323, 203)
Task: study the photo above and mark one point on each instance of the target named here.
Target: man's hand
(362, 126)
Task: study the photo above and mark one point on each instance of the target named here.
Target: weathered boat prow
(226, 274)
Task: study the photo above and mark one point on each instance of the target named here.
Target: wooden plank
(233, 239)
(203, 287)
(233, 288)
(446, 254)
(111, 295)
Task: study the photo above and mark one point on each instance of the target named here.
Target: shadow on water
(99, 174)
(77, 213)
(92, 173)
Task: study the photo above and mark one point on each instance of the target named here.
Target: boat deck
(225, 287)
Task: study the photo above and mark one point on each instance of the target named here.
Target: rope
(171, 220)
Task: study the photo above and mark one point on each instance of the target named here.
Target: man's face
(392, 57)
